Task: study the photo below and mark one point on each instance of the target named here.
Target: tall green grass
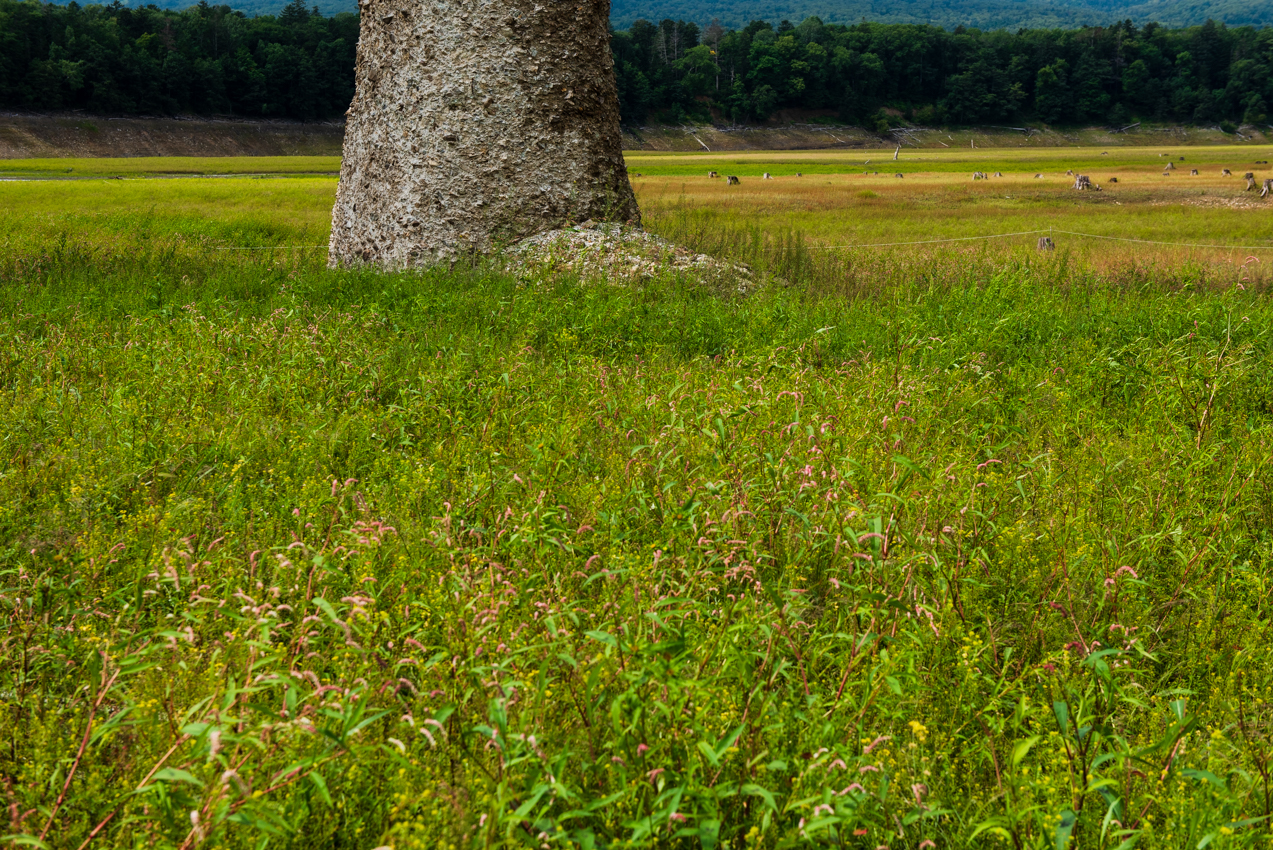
(933, 551)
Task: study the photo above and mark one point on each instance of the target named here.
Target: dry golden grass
(836, 204)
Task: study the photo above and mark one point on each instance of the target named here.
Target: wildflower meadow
(967, 548)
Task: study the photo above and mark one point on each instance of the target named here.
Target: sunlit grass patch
(152, 166)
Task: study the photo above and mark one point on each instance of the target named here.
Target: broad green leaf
(1065, 829)
(1022, 749)
(173, 774)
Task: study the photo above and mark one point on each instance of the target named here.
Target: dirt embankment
(48, 136)
(802, 136)
(40, 136)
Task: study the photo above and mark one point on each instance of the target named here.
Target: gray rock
(477, 124)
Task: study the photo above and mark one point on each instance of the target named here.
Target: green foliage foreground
(977, 555)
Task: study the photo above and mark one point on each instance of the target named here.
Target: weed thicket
(959, 552)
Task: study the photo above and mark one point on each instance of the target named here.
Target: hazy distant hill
(983, 14)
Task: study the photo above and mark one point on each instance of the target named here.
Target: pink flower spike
(879, 741)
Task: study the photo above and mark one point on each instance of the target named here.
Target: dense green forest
(205, 60)
(1100, 75)
(299, 64)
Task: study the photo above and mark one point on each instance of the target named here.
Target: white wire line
(274, 248)
(935, 241)
(1173, 244)
(1050, 232)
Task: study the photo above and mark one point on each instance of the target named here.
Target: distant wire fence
(1048, 232)
(986, 237)
(273, 248)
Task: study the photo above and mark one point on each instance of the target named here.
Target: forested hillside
(875, 73)
(205, 60)
(211, 60)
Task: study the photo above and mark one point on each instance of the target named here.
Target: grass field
(146, 166)
(940, 547)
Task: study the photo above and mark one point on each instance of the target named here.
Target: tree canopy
(299, 64)
(205, 60)
(877, 74)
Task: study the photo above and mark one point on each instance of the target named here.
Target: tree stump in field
(1226, 173)
(1193, 172)
(979, 175)
(733, 181)
(1082, 182)
(1046, 244)
(1171, 166)
(477, 124)
(712, 175)
(1250, 182)
(1113, 180)
(1268, 188)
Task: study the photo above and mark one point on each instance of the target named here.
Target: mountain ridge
(980, 14)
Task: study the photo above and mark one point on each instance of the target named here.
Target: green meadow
(168, 166)
(953, 545)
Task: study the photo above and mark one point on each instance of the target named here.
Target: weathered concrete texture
(477, 123)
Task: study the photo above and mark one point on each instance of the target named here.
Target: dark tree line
(204, 60)
(1100, 75)
(211, 60)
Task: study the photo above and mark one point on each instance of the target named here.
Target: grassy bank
(960, 547)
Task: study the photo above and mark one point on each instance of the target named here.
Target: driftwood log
(476, 124)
